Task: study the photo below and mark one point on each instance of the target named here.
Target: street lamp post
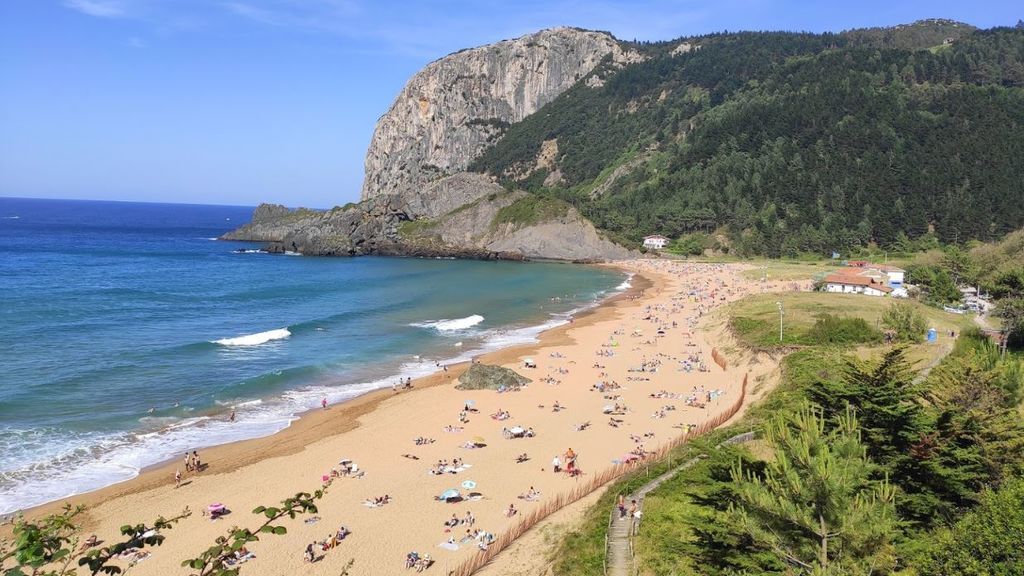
(781, 313)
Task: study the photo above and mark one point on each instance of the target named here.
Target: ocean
(129, 333)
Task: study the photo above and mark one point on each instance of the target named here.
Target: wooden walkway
(619, 539)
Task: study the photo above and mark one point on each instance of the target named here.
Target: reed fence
(588, 485)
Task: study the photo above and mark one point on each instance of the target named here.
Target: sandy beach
(643, 356)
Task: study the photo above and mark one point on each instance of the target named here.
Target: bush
(832, 329)
(530, 210)
(906, 321)
(692, 244)
(987, 541)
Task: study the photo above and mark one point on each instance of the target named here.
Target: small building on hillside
(854, 284)
(656, 242)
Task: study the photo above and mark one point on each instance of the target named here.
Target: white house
(892, 275)
(855, 284)
(656, 242)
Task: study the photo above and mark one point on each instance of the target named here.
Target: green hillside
(791, 142)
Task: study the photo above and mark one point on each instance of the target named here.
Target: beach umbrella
(470, 402)
(449, 494)
(479, 440)
(469, 484)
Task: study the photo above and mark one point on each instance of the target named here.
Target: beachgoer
(177, 478)
(622, 506)
(556, 464)
(324, 403)
(232, 417)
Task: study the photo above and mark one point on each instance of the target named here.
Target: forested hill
(789, 142)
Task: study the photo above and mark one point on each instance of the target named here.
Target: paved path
(619, 551)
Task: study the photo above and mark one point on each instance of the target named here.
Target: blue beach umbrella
(449, 494)
(469, 484)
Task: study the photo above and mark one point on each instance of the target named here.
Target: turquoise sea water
(128, 333)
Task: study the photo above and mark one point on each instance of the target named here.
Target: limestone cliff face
(453, 108)
(417, 198)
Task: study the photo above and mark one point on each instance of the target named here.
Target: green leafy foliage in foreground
(791, 142)
(52, 546)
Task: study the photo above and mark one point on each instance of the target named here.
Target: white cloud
(98, 8)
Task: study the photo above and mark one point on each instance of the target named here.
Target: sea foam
(448, 325)
(255, 339)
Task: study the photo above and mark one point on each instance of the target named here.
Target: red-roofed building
(892, 275)
(844, 282)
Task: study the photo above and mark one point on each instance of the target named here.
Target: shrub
(833, 329)
(906, 321)
(987, 541)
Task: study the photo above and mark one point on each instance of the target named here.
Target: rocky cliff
(464, 215)
(452, 109)
(417, 199)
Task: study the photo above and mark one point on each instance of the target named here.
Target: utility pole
(781, 314)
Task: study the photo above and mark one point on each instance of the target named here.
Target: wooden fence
(588, 485)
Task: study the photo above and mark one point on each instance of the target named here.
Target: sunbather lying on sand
(531, 495)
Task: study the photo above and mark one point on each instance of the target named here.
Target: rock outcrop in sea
(417, 199)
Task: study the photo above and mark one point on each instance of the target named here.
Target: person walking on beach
(177, 478)
(324, 403)
(188, 463)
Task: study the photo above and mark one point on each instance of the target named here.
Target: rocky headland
(417, 199)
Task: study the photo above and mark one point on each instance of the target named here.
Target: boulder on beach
(485, 377)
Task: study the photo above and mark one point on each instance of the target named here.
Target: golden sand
(377, 429)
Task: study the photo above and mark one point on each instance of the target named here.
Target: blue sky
(243, 101)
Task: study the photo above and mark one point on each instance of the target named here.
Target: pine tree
(816, 505)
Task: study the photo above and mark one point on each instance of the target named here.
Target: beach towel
(449, 546)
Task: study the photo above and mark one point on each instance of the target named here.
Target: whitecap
(626, 284)
(446, 325)
(255, 339)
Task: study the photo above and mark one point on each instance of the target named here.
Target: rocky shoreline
(459, 216)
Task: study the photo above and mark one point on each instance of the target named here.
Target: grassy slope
(755, 320)
(659, 543)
